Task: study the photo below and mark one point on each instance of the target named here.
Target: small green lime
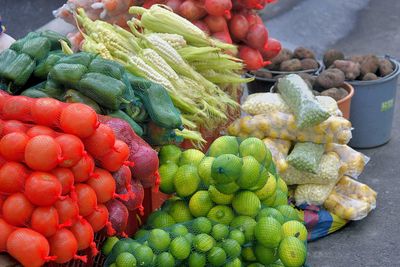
(237, 235)
(220, 231)
(216, 256)
(201, 225)
(125, 259)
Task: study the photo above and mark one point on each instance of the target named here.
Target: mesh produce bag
(354, 160)
(306, 156)
(264, 103)
(301, 101)
(283, 126)
(329, 171)
(279, 149)
(351, 200)
(313, 194)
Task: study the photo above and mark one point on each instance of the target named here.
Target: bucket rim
(350, 89)
(391, 76)
(315, 71)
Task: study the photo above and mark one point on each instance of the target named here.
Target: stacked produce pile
(56, 183)
(229, 21)
(229, 209)
(176, 54)
(320, 162)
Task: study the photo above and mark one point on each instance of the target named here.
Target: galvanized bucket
(372, 109)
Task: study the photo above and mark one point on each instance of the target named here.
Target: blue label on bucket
(387, 105)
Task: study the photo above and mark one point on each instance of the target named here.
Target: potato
(284, 54)
(308, 78)
(385, 67)
(302, 53)
(350, 69)
(309, 64)
(335, 93)
(370, 77)
(331, 55)
(357, 58)
(330, 78)
(370, 64)
(291, 65)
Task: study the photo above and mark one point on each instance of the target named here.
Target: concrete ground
(355, 27)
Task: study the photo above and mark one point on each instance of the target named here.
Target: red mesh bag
(43, 189)
(67, 209)
(42, 153)
(12, 146)
(29, 247)
(64, 246)
(144, 157)
(12, 177)
(17, 209)
(5, 230)
(87, 199)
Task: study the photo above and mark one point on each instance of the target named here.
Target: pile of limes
(230, 209)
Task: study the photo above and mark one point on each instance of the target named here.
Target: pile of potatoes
(290, 61)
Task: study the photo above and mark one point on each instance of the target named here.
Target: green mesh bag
(301, 101)
(306, 156)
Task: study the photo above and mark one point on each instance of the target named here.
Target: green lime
(288, 212)
(234, 263)
(179, 230)
(121, 246)
(191, 156)
(246, 203)
(180, 211)
(159, 240)
(220, 231)
(292, 252)
(245, 224)
(226, 168)
(248, 254)
(113, 265)
(169, 153)
(216, 256)
(268, 189)
(256, 148)
(269, 201)
(197, 259)
(189, 237)
(144, 255)
(262, 180)
(280, 199)
(109, 244)
(134, 245)
(218, 197)
(256, 264)
(165, 259)
(268, 232)
(203, 242)
(237, 235)
(160, 219)
(221, 214)
(201, 225)
(167, 173)
(186, 180)
(271, 212)
(251, 171)
(200, 203)
(232, 248)
(278, 263)
(180, 248)
(295, 229)
(265, 255)
(281, 185)
(224, 145)
(141, 233)
(228, 188)
(204, 170)
(125, 259)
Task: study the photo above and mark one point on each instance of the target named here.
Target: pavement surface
(355, 27)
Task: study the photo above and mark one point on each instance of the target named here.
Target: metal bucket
(372, 109)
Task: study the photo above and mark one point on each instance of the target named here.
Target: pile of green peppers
(87, 78)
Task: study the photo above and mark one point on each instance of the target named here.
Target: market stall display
(319, 164)
(228, 209)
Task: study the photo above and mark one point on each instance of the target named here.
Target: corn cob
(175, 40)
(224, 77)
(159, 18)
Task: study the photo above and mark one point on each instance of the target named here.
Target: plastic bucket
(262, 85)
(372, 110)
(344, 104)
